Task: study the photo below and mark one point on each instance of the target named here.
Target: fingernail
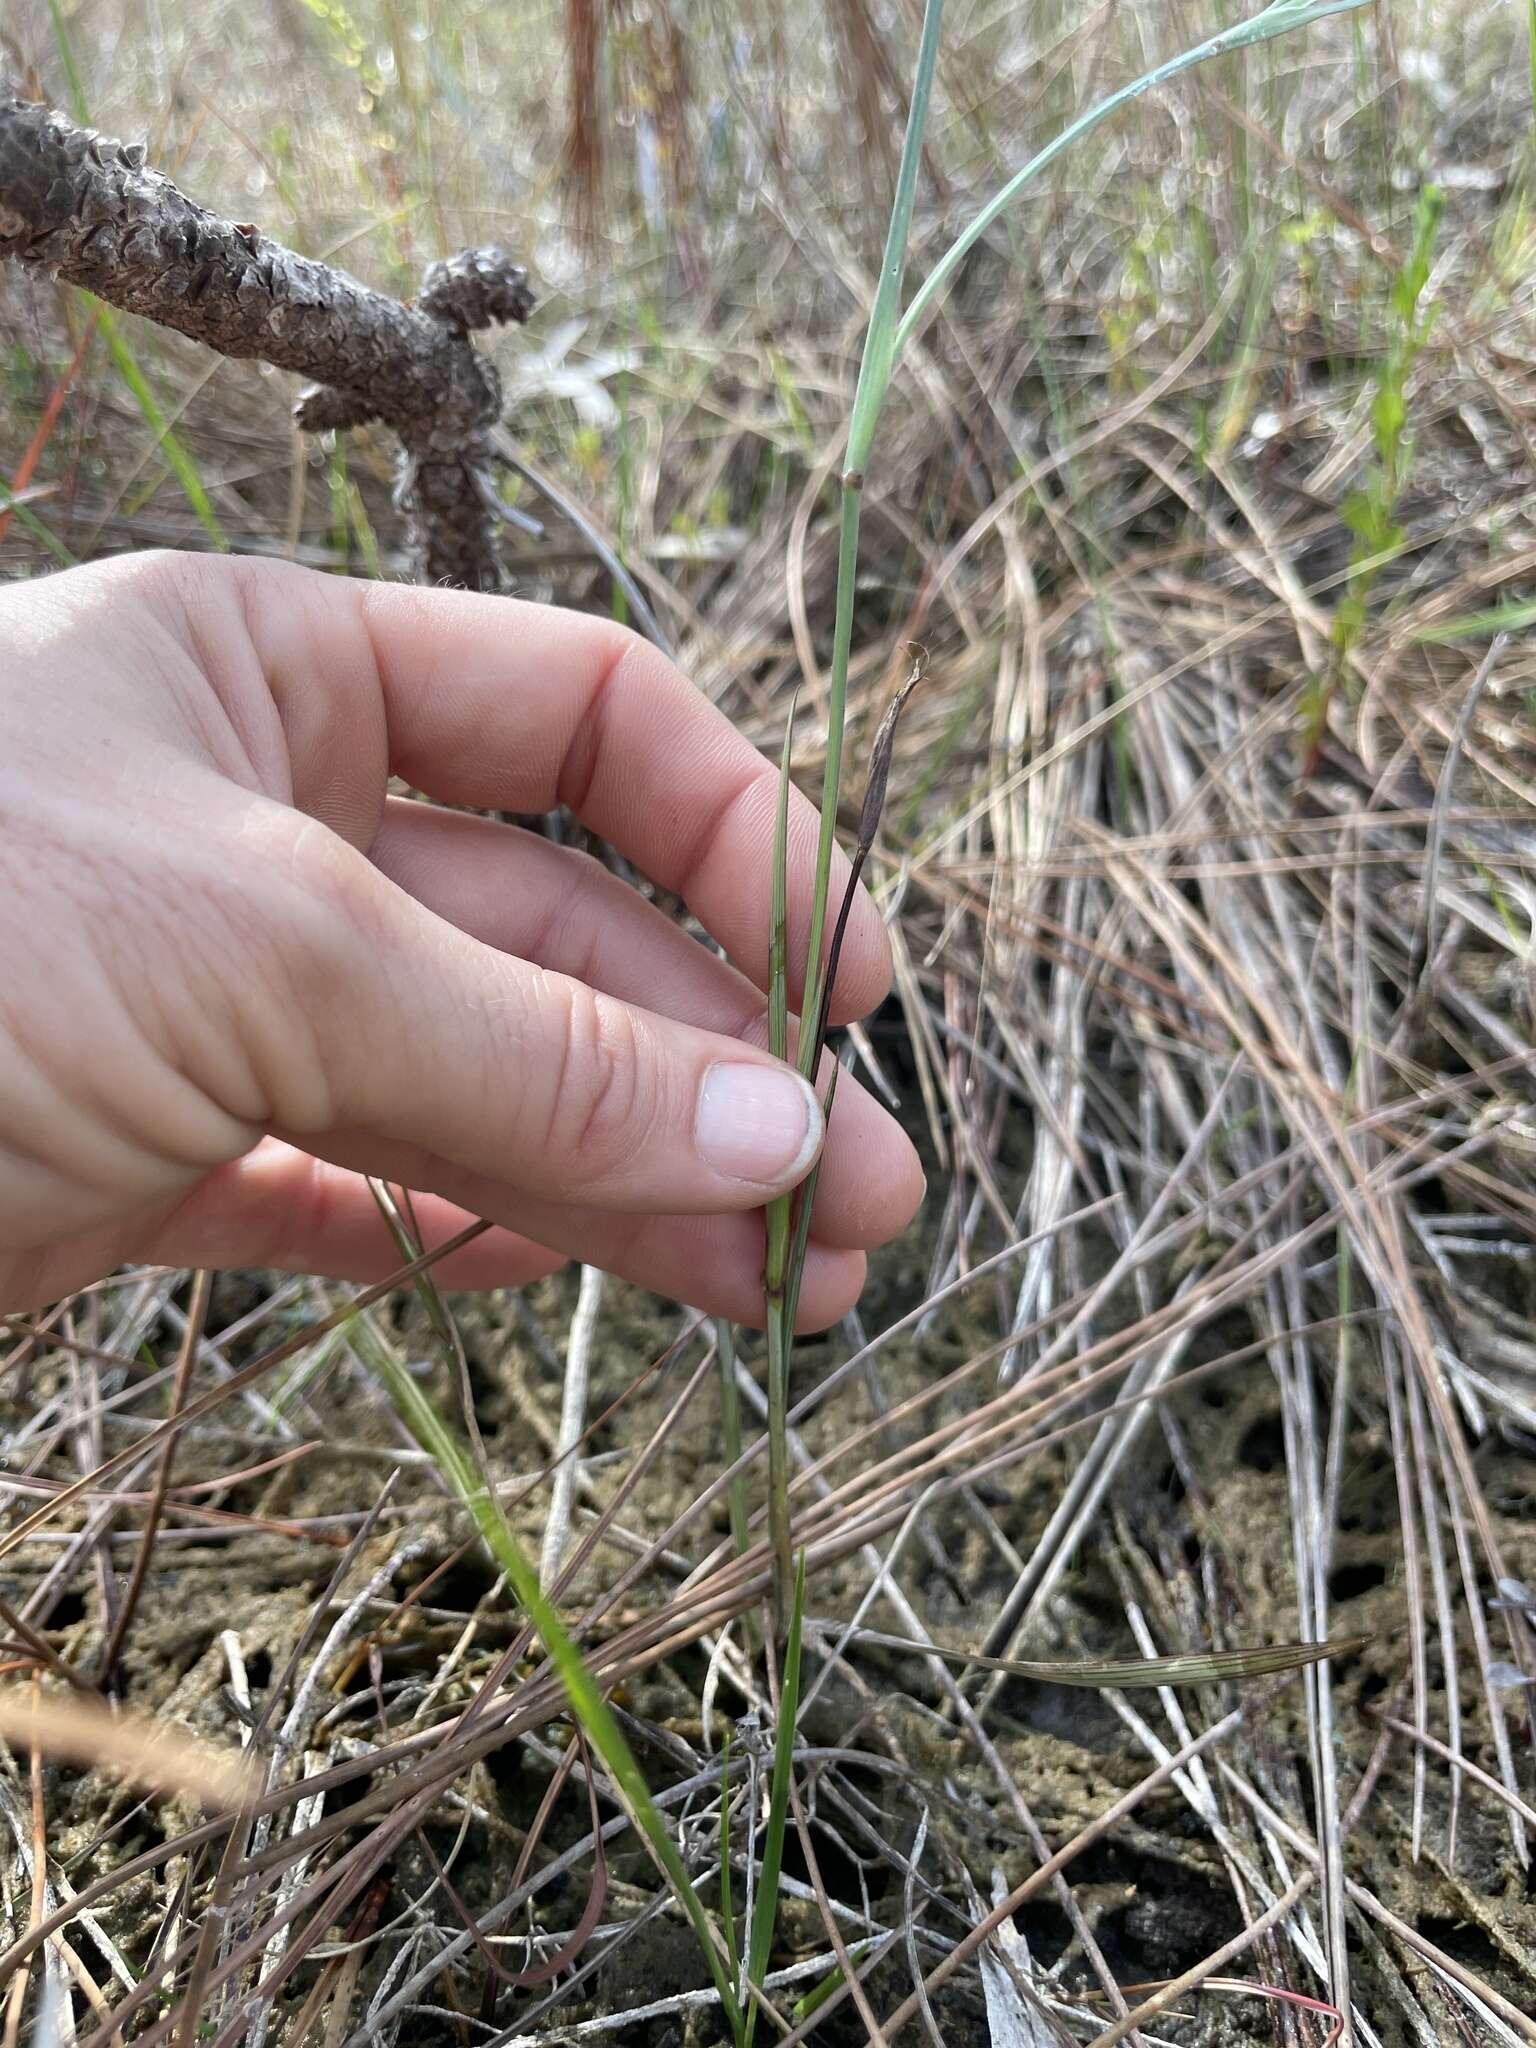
(757, 1123)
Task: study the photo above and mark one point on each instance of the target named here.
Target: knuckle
(570, 927)
(325, 870)
(144, 569)
(291, 931)
(302, 882)
(165, 579)
(600, 1113)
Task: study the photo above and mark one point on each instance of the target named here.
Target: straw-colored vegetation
(1200, 496)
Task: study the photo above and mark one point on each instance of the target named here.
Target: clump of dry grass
(1219, 1327)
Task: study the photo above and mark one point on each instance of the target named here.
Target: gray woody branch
(82, 207)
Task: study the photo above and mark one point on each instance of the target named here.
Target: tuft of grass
(466, 1478)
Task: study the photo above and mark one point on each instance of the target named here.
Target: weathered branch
(84, 208)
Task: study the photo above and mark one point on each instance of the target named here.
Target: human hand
(236, 976)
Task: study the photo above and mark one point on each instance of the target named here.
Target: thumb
(428, 1037)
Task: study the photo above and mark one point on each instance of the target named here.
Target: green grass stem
(730, 1416)
(765, 1905)
(776, 1256)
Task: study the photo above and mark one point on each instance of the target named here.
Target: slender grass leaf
(778, 1265)
(803, 1214)
(1280, 18)
(12, 507)
(778, 935)
(824, 1987)
(881, 347)
(1511, 617)
(727, 1899)
(587, 1702)
(408, 1246)
(730, 1417)
(78, 105)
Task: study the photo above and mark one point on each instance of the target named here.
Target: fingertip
(909, 1190)
(872, 1181)
(758, 1123)
(864, 971)
(829, 1288)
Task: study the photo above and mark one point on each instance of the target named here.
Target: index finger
(511, 706)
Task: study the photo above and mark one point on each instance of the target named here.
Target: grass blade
(1278, 19)
(72, 79)
(182, 467)
(32, 453)
(727, 1895)
(425, 1284)
(595, 1717)
(824, 1987)
(842, 647)
(882, 343)
(778, 935)
(1512, 616)
(802, 1231)
(12, 506)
